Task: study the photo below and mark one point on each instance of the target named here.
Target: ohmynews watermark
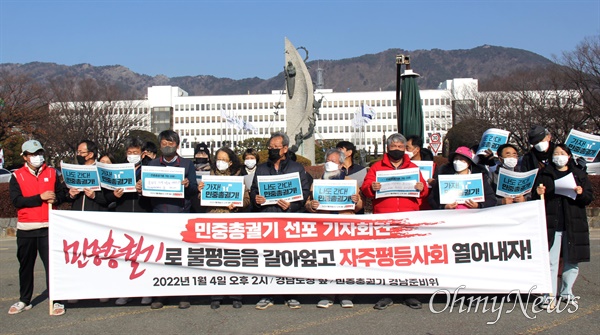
(496, 304)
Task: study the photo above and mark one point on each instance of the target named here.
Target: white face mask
(410, 154)
(222, 165)
(560, 160)
(542, 146)
(331, 166)
(36, 161)
(134, 159)
(510, 162)
(250, 163)
(460, 165)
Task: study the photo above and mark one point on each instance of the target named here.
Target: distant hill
(371, 72)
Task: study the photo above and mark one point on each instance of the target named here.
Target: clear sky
(245, 38)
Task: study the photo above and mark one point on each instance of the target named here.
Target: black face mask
(146, 160)
(200, 160)
(274, 155)
(396, 154)
(80, 160)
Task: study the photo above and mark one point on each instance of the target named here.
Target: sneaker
(324, 303)
(346, 303)
(383, 303)
(215, 304)
(146, 300)
(104, 299)
(264, 303)
(184, 304)
(237, 304)
(293, 304)
(58, 309)
(570, 301)
(19, 307)
(156, 305)
(122, 301)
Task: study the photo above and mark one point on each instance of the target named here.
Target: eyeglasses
(82, 152)
(274, 148)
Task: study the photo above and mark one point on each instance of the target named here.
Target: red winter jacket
(392, 204)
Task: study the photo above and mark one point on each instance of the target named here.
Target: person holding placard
(88, 200)
(226, 164)
(333, 171)
(566, 220)
(461, 163)
(508, 159)
(169, 144)
(33, 189)
(279, 163)
(394, 159)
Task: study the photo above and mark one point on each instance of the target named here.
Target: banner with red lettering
(107, 254)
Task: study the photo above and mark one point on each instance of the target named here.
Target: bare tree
(88, 109)
(581, 68)
(23, 103)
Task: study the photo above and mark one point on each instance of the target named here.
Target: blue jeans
(570, 270)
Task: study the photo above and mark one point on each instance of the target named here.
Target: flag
(367, 112)
(249, 127)
(1, 158)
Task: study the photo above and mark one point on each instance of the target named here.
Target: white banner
(110, 254)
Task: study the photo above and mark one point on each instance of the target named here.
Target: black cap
(536, 134)
(202, 147)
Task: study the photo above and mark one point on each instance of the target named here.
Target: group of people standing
(35, 187)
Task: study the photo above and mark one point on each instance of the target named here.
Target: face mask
(410, 154)
(36, 161)
(460, 165)
(80, 160)
(510, 162)
(222, 165)
(146, 160)
(396, 154)
(134, 159)
(560, 160)
(250, 163)
(274, 155)
(201, 160)
(168, 151)
(331, 166)
(542, 146)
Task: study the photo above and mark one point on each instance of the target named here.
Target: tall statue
(300, 103)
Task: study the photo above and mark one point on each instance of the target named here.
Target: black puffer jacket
(285, 166)
(573, 211)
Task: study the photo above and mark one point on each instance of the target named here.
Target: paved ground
(93, 317)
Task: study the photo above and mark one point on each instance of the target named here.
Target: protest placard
(426, 169)
(163, 181)
(114, 176)
(460, 188)
(334, 195)
(512, 184)
(284, 186)
(80, 176)
(492, 139)
(398, 183)
(222, 191)
(583, 144)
